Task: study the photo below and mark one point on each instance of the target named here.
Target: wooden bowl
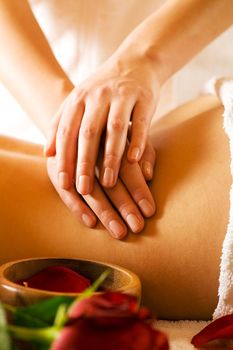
(119, 279)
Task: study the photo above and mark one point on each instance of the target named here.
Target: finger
(66, 142)
(124, 204)
(50, 146)
(141, 118)
(71, 198)
(147, 161)
(105, 212)
(122, 201)
(137, 186)
(116, 135)
(88, 144)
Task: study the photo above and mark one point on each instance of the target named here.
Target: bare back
(177, 255)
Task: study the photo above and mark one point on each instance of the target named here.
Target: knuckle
(84, 167)
(138, 193)
(102, 91)
(61, 165)
(105, 215)
(147, 95)
(125, 89)
(116, 124)
(64, 165)
(65, 132)
(73, 206)
(141, 121)
(112, 160)
(125, 208)
(89, 130)
(75, 209)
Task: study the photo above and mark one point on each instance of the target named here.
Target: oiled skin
(177, 255)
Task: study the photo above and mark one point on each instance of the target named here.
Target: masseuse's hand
(123, 89)
(126, 202)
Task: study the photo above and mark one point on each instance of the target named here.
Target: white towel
(223, 87)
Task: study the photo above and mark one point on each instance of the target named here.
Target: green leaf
(22, 318)
(40, 314)
(5, 341)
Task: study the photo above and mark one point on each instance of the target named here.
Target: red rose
(221, 328)
(58, 279)
(85, 334)
(109, 304)
(109, 321)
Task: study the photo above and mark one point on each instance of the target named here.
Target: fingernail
(147, 169)
(108, 178)
(116, 228)
(146, 207)
(133, 222)
(135, 153)
(87, 220)
(63, 180)
(84, 184)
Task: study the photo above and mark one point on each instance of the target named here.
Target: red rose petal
(221, 328)
(58, 279)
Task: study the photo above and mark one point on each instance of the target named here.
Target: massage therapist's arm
(173, 35)
(28, 67)
(127, 87)
(32, 74)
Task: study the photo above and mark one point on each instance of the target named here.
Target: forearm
(175, 33)
(28, 67)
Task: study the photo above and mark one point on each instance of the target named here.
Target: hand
(100, 203)
(121, 90)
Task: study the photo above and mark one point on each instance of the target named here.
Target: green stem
(61, 316)
(43, 335)
(90, 290)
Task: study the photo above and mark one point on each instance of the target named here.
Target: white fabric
(225, 292)
(180, 333)
(83, 33)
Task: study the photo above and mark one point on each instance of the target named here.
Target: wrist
(146, 54)
(154, 56)
(129, 59)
